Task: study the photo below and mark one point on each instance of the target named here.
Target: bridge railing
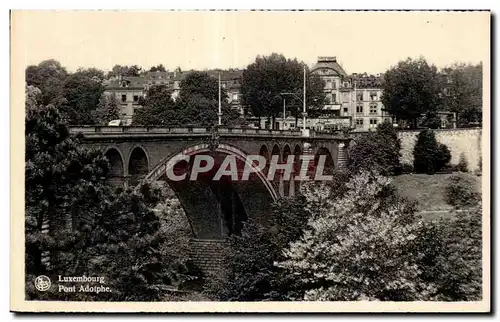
(89, 129)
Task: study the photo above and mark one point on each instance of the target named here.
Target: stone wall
(206, 254)
(466, 141)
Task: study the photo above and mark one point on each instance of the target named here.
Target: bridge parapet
(100, 131)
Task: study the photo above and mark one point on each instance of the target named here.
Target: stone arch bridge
(214, 209)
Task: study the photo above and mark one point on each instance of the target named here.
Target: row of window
(373, 123)
(373, 109)
(124, 98)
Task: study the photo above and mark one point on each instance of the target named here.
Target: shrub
(406, 168)
(429, 156)
(463, 165)
(461, 191)
(360, 247)
(249, 272)
(379, 151)
(452, 261)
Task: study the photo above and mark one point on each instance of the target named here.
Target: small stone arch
(329, 164)
(286, 181)
(276, 151)
(116, 168)
(138, 165)
(264, 151)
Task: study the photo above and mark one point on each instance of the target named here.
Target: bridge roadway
(141, 154)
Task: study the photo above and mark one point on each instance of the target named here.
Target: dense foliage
(360, 247)
(197, 104)
(463, 92)
(379, 151)
(462, 191)
(410, 89)
(453, 256)
(77, 225)
(250, 273)
(429, 156)
(265, 80)
(107, 110)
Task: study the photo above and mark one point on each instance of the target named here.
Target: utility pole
(304, 103)
(284, 112)
(220, 109)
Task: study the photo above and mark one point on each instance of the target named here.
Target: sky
(362, 41)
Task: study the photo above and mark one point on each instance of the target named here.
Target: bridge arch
(138, 164)
(116, 174)
(217, 208)
(168, 162)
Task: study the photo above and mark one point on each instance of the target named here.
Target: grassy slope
(427, 190)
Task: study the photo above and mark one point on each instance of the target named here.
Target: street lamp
(304, 113)
(303, 103)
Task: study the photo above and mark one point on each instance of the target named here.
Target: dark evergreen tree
(428, 155)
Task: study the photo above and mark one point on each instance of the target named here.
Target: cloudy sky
(362, 41)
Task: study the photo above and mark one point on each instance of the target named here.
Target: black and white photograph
(257, 161)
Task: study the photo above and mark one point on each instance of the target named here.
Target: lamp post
(303, 100)
(220, 109)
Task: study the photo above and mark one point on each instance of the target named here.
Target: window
(359, 123)
(359, 109)
(373, 109)
(345, 97)
(124, 98)
(334, 98)
(136, 98)
(334, 84)
(345, 110)
(373, 123)
(346, 84)
(373, 96)
(359, 96)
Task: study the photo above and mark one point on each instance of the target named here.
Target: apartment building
(355, 97)
(127, 91)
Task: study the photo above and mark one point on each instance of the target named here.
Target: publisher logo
(42, 283)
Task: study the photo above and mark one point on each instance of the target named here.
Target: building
(355, 97)
(127, 91)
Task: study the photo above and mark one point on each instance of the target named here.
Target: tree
(107, 110)
(453, 256)
(360, 247)
(92, 230)
(411, 89)
(379, 151)
(158, 108)
(463, 92)
(82, 91)
(48, 76)
(199, 99)
(428, 155)
(249, 273)
(59, 176)
(159, 68)
(264, 81)
(119, 70)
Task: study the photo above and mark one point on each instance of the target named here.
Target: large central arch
(216, 208)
